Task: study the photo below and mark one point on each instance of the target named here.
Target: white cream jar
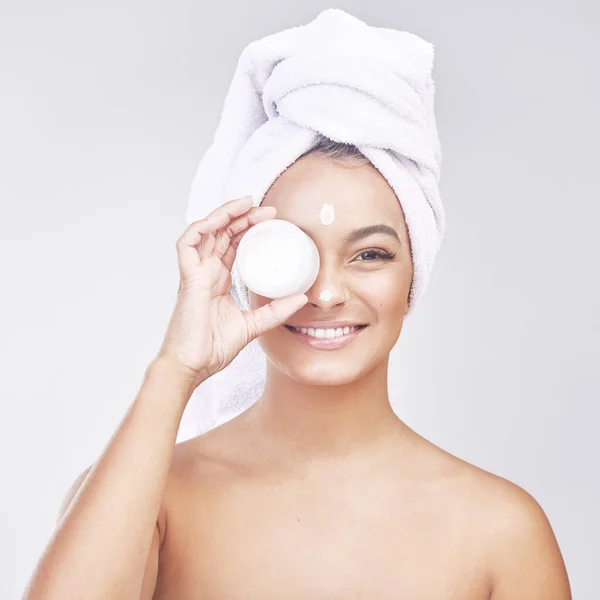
(275, 259)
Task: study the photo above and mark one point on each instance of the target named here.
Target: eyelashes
(379, 254)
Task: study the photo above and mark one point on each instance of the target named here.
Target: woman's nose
(328, 289)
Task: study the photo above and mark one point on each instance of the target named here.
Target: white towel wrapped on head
(339, 77)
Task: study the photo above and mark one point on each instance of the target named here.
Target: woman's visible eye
(378, 254)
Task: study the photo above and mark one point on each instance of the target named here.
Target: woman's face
(359, 285)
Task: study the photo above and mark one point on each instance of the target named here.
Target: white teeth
(326, 333)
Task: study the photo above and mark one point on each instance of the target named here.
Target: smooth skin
(318, 491)
(113, 519)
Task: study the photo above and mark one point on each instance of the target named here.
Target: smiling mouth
(332, 342)
(321, 333)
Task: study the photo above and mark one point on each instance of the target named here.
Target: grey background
(105, 111)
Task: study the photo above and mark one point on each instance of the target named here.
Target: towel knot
(359, 102)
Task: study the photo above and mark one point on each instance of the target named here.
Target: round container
(275, 259)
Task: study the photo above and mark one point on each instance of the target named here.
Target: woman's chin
(328, 381)
(320, 373)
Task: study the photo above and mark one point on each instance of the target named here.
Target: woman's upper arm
(72, 492)
(151, 571)
(527, 561)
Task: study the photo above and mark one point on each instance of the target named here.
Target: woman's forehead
(319, 193)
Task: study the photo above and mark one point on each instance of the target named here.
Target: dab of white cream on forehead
(325, 296)
(327, 214)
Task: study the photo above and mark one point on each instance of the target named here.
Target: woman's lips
(327, 343)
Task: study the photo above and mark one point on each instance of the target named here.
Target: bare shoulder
(524, 550)
(515, 536)
(201, 463)
(211, 451)
(230, 449)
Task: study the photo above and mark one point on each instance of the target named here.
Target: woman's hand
(207, 329)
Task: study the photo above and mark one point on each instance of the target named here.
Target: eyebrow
(363, 232)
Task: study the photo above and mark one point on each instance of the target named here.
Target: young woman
(319, 490)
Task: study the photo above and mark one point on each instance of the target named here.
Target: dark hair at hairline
(340, 151)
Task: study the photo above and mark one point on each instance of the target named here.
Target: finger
(231, 209)
(229, 257)
(220, 215)
(240, 225)
(207, 243)
(192, 244)
(187, 245)
(276, 312)
(219, 218)
(255, 215)
(194, 231)
(198, 240)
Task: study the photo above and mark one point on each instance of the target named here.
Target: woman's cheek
(386, 290)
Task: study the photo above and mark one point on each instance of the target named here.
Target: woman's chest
(309, 544)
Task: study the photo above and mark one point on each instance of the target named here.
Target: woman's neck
(325, 424)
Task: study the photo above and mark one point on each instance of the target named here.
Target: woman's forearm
(100, 547)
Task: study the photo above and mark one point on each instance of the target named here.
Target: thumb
(275, 313)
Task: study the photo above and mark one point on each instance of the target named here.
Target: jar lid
(276, 259)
